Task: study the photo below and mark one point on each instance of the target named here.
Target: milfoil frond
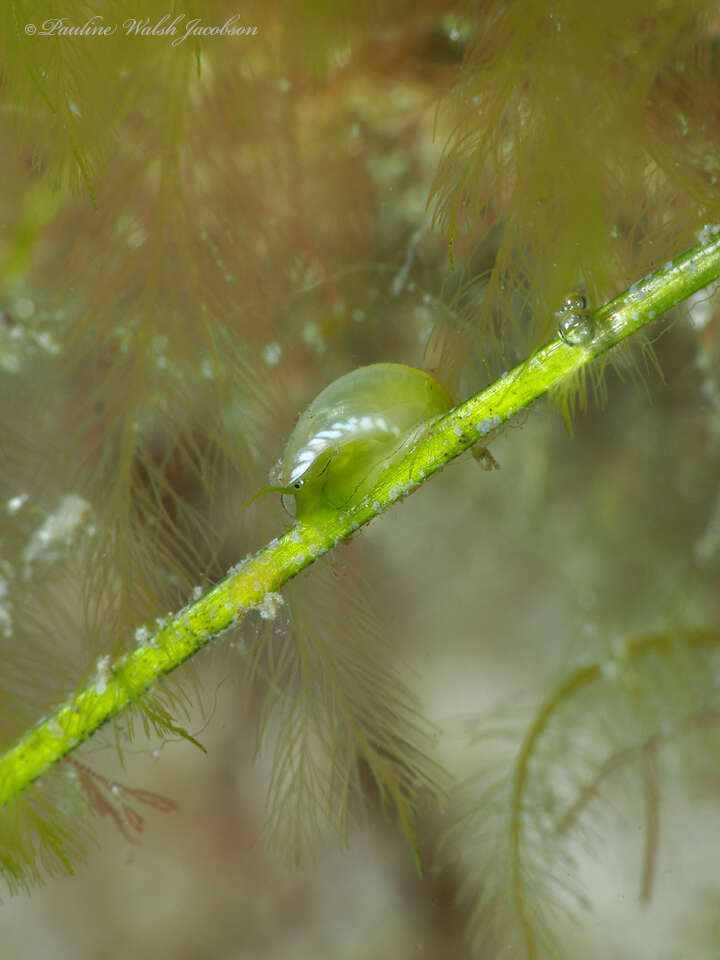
(530, 815)
(347, 730)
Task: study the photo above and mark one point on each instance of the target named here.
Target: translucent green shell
(352, 430)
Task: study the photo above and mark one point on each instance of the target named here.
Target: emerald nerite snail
(352, 431)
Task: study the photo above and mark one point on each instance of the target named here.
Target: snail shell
(353, 430)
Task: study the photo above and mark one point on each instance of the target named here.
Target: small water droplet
(574, 322)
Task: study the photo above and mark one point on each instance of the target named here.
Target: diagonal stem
(117, 684)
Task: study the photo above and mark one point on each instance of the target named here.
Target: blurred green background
(195, 240)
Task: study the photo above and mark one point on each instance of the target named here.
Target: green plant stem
(117, 684)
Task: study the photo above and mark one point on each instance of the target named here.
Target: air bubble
(575, 323)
